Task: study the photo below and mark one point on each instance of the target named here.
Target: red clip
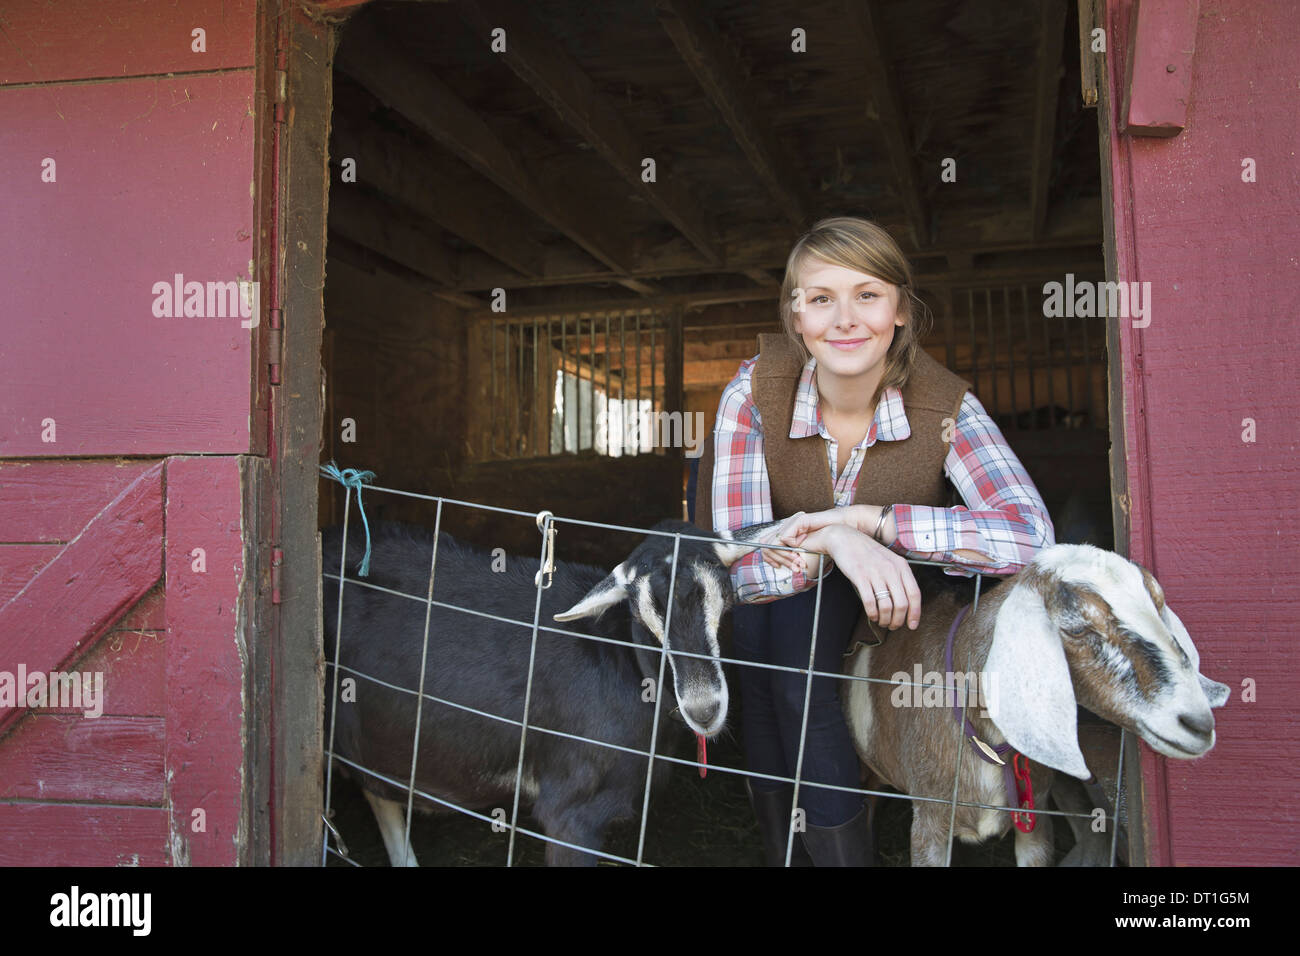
(702, 754)
(1024, 821)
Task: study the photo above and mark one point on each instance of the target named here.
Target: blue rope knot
(352, 478)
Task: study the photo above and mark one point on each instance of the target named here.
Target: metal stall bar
(1051, 373)
(807, 702)
(338, 646)
(609, 394)
(1011, 350)
(622, 380)
(993, 349)
(638, 383)
(654, 725)
(1029, 350)
(408, 853)
(492, 401)
(544, 525)
(974, 347)
(536, 403)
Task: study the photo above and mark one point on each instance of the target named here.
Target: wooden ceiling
(523, 169)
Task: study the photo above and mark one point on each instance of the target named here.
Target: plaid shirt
(1005, 518)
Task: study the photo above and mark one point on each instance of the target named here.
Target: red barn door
(127, 153)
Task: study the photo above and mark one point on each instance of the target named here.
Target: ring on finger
(883, 593)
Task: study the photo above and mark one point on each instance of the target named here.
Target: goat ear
(599, 599)
(1032, 696)
(1215, 693)
(733, 545)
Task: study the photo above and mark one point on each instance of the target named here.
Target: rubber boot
(848, 844)
(772, 808)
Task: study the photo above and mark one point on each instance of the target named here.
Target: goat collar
(987, 752)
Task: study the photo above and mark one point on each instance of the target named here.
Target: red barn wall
(1213, 515)
(153, 146)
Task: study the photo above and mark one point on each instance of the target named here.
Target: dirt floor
(692, 822)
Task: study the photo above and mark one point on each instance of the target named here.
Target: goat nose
(704, 714)
(1202, 726)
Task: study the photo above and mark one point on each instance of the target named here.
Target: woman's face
(848, 319)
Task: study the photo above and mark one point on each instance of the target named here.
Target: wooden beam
(102, 573)
(726, 83)
(888, 100)
(1087, 58)
(542, 62)
(432, 184)
(406, 85)
(1051, 30)
(370, 221)
(368, 260)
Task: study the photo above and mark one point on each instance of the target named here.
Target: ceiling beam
(885, 94)
(371, 222)
(367, 260)
(1051, 31)
(432, 184)
(406, 85)
(542, 62)
(727, 84)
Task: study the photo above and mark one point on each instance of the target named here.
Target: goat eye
(1077, 631)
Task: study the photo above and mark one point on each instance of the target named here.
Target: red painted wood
(153, 180)
(19, 564)
(133, 664)
(1211, 514)
(52, 501)
(115, 38)
(149, 615)
(89, 760)
(1162, 34)
(205, 672)
(75, 598)
(82, 836)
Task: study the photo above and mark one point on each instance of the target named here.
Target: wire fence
(547, 524)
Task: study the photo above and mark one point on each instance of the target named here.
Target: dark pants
(772, 702)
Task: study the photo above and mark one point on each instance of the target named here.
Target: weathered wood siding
(151, 146)
(1211, 512)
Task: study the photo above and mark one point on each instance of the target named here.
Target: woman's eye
(869, 295)
(819, 298)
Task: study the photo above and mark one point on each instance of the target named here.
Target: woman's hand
(883, 579)
(797, 527)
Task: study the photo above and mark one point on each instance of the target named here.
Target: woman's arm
(1004, 523)
(742, 494)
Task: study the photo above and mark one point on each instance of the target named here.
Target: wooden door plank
(78, 835)
(204, 660)
(67, 757)
(51, 501)
(46, 41)
(159, 173)
(115, 560)
(19, 563)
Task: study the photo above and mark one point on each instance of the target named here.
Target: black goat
(593, 689)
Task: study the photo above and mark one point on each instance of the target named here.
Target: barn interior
(554, 226)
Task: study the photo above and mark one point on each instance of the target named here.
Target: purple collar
(986, 752)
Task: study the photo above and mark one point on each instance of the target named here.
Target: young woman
(845, 425)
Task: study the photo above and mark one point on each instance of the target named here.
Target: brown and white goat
(1078, 625)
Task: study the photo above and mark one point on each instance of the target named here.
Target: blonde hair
(863, 246)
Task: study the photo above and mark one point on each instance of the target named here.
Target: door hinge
(277, 559)
(275, 344)
(281, 96)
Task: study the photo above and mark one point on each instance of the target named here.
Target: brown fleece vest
(893, 472)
